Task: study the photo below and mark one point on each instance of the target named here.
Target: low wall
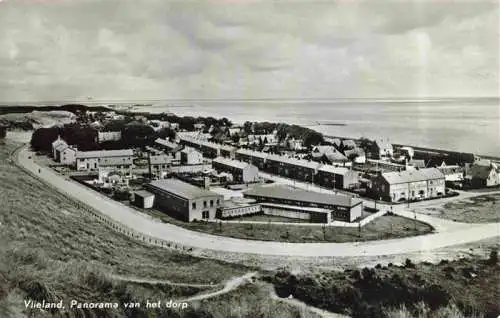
(107, 221)
(372, 217)
(190, 168)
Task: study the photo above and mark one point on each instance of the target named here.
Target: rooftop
(231, 162)
(412, 175)
(166, 143)
(294, 162)
(335, 157)
(143, 193)
(160, 159)
(479, 171)
(333, 169)
(292, 194)
(349, 143)
(104, 153)
(253, 153)
(181, 189)
(115, 161)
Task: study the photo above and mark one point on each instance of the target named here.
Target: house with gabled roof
(406, 185)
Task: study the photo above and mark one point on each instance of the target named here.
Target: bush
(435, 296)
(409, 264)
(493, 259)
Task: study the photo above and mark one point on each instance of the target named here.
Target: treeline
(185, 122)
(86, 137)
(73, 108)
(309, 136)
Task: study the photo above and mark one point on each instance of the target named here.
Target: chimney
(206, 183)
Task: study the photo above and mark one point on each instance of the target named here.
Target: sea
(455, 124)
(459, 124)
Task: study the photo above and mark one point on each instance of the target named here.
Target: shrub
(409, 264)
(435, 296)
(493, 259)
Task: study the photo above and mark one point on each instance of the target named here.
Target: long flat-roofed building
(256, 158)
(241, 171)
(207, 148)
(409, 185)
(340, 207)
(92, 160)
(167, 146)
(185, 201)
(299, 169)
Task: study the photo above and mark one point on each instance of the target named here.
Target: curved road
(449, 233)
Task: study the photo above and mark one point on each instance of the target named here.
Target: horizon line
(381, 99)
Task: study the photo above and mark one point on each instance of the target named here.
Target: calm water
(470, 126)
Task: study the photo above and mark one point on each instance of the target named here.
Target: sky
(247, 49)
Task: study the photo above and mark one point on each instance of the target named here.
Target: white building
(241, 171)
(409, 185)
(109, 136)
(57, 143)
(452, 173)
(384, 148)
(190, 156)
(68, 156)
(144, 199)
(92, 160)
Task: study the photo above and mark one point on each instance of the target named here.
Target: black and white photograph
(249, 158)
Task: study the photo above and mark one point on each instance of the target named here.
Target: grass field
(480, 209)
(385, 227)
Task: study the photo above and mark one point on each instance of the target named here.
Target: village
(197, 172)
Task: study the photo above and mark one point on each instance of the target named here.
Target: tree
(493, 259)
(235, 138)
(313, 138)
(138, 135)
(247, 128)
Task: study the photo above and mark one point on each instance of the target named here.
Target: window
(204, 204)
(204, 215)
(217, 201)
(193, 205)
(211, 203)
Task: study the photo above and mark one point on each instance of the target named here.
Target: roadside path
(228, 287)
(131, 218)
(158, 281)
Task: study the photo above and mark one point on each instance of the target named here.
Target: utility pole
(408, 195)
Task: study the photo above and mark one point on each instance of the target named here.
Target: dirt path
(303, 306)
(159, 281)
(228, 287)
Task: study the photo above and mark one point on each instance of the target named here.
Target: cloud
(195, 49)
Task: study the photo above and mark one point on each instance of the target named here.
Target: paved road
(449, 236)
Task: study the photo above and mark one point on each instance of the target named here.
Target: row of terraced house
(299, 169)
(390, 186)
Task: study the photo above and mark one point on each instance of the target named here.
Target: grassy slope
(54, 251)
